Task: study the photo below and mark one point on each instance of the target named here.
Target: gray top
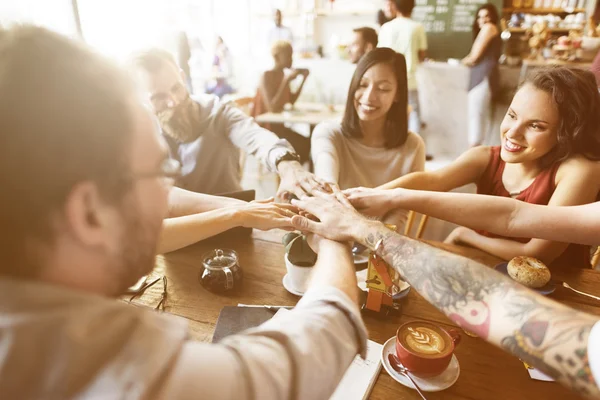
(211, 163)
(487, 66)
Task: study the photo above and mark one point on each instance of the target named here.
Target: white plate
(362, 258)
(288, 287)
(433, 384)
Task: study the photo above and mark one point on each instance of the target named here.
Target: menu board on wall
(448, 24)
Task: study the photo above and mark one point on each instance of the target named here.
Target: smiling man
(206, 136)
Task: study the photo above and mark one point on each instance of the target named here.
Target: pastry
(529, 271)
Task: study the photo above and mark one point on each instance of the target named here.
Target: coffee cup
(425, 349)
(298, 275)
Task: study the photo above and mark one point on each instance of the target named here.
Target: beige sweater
(349, 163)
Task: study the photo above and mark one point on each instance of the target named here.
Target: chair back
(410, 220)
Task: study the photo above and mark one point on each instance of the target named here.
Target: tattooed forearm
(544, 333)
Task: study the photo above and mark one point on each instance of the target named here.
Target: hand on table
(296, 181)
(266, 215)
(372, 202)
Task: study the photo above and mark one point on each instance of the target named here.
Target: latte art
(424, 340)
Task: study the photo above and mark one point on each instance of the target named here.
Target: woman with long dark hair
(372, 145)
(484, 79)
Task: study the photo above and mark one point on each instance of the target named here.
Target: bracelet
(378, 245)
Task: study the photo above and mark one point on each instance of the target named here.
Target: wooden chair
(596, 258)
(410, 220)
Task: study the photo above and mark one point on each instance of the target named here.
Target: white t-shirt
(349, 163)
(279, 33)
(594, 352)
(405, 36)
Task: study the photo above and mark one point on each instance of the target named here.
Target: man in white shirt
(406, 36)
(86, 182)
(206, 135)
(363, 41)
(279, 31)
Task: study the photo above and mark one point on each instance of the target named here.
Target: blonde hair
(281, 46)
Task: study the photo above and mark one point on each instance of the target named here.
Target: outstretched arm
(183, 202)
(499, 215)
(185, 230)
(538, 330)
(465, 169)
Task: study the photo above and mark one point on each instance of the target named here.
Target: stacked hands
(321, 209)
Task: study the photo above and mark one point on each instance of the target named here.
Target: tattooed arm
(540, 331)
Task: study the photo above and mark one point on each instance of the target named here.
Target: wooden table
(303, 113)
(486, 371)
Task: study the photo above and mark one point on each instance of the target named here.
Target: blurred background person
(279, 31)
(222, 71)
(407, 37)
(274, 93)
(484, 78)
(363, 41)
(388, 12)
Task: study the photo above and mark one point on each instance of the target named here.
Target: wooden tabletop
(303, 113)
(486, 371)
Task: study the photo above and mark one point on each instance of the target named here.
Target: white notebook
(361, 375)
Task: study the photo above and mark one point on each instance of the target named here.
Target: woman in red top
(550, 141)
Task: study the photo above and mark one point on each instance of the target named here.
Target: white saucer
(288, 287)
(362, 258)
(433, 384)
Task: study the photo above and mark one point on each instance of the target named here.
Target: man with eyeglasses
(207, 135)
(85, 185)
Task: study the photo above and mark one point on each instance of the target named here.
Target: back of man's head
(369, 35)
(65, 118)
(405, 7)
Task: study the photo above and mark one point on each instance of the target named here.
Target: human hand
(459, 235)
(303, 71)
(266, 215)
(296, 181)
(372, 202)
(294, 73)
(337, 219)
(467, 61)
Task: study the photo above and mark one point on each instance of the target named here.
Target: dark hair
(494, 18)
(153, 60)
(368, 34)
(65, 118)
(396, 127)
(405, 7)
(575, 94)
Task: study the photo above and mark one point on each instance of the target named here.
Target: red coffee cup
(425, 349)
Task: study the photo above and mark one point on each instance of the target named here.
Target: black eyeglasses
(163, 298)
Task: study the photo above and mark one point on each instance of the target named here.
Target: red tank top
(539, 192)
